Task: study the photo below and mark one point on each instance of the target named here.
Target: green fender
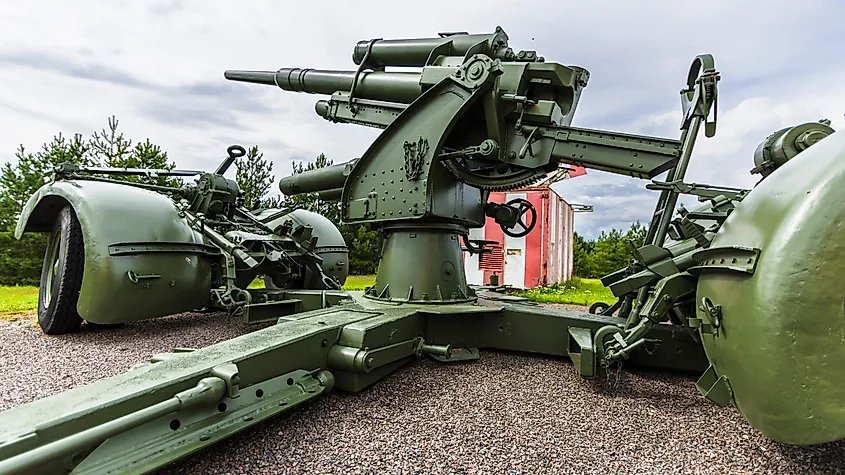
(142, 260)
(775, 332)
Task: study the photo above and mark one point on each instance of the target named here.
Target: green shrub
(20, 261)
(575, 291)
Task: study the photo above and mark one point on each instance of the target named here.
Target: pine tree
(581, 251)
(114, 151)
(255, 177)
(636, 234)
(107, 148)
(111, 147)
(312, 201)
(20, 181)
(609, 252)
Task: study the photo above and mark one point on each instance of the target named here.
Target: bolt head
(475, 71)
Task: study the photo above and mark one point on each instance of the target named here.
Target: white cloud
(724, 162)
(724, 159)
(158, 66)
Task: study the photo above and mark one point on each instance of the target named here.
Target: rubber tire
(59, 315)
(598, 308)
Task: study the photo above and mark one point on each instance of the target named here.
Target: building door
(514, 254)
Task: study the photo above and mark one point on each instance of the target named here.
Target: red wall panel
(537, 241)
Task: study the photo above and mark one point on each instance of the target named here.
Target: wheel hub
(54, 268)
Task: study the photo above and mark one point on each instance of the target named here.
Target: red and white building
(543, 257)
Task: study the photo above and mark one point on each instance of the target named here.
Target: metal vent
(495, 261)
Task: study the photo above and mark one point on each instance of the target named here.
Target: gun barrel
(416, 52)
(321, 179)
(403, 87)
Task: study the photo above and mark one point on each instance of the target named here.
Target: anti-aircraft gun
(477, 117)
(709, 291)
(123, 251)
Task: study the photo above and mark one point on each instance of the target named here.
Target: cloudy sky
(158, 66)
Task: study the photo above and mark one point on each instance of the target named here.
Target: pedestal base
(422, 263)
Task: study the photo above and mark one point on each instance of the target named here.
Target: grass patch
(576, 291)
(353, 282)
(15, 300)
(359, 282)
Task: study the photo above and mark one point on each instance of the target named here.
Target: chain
(613, 383)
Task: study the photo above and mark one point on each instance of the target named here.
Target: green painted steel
(740, 290)
(481, 118)
(407, 275)
(121, 252)
(131, 422)
(138, 220)
(330, 246)
(778, 334)
(417, 51)
(247, 364)
(394, 86)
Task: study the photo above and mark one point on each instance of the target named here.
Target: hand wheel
(524, 207)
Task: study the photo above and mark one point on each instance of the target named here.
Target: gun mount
(478, 117)
(136, 251)
(706, 293)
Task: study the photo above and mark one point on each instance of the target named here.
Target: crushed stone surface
(506, 413)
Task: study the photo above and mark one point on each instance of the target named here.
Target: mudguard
(770, 301)
(142, 260)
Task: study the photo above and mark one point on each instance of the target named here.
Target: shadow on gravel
(168, 325)
(814, 455)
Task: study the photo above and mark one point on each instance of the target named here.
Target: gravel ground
(504, 414)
